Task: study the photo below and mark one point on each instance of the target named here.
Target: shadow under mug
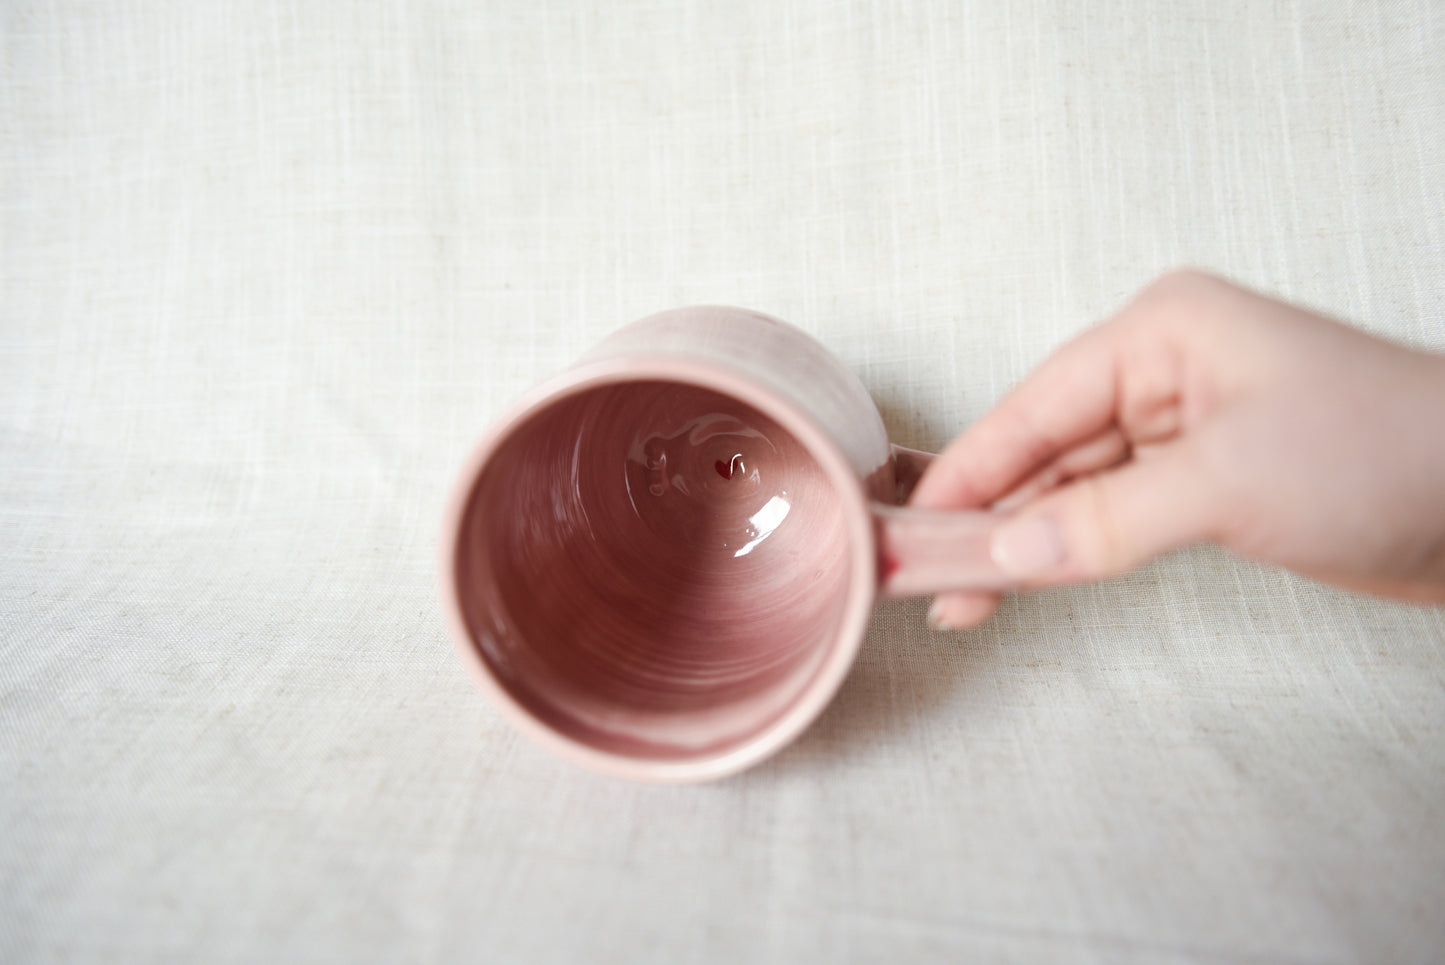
(660, 564)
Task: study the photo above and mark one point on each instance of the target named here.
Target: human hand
(1203, 411)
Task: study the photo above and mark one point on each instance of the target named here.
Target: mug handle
(921, 551)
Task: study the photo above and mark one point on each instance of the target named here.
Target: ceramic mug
(661, 563)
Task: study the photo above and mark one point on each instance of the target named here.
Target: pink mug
(660, 564)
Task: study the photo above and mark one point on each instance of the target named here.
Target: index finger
(1070, 398)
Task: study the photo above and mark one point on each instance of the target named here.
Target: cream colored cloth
(269, 268)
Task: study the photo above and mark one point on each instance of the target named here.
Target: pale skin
(1206, 412)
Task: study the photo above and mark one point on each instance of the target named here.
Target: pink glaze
(631, 595)
(661, 565)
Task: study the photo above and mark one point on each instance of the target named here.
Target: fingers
(1104, 541)
(959, 609)
(1067, 400)
(1066, 406)
(1108, 523)
(1063, 450)
(1104, 451)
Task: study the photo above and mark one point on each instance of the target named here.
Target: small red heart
(726, 469)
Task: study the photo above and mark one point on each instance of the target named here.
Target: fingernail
(936, 619)
(1028, 547)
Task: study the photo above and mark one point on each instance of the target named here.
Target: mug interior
(653, 569)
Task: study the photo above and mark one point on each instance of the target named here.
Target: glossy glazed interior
(652, 569)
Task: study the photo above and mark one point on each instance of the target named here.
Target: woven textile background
(266, 271)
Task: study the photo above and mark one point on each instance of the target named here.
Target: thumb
(1107, 523)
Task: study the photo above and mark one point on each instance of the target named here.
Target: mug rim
(862, 579)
